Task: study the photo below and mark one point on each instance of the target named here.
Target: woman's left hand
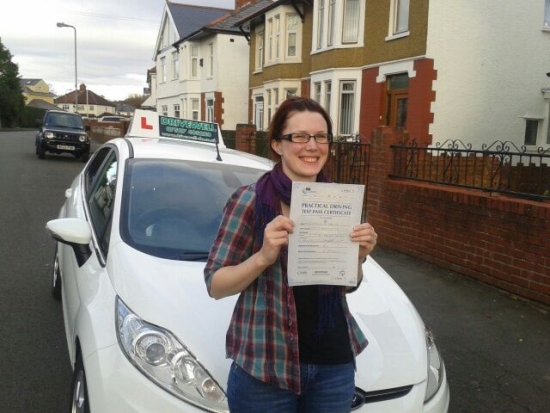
(366, 236)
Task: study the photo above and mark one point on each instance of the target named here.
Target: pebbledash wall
(496, 239)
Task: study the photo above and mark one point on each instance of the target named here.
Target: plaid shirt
(263, 334)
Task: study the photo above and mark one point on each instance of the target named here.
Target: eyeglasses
(301, 137)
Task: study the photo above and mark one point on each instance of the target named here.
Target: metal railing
(501, 167)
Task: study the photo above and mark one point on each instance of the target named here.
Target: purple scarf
(272, 188)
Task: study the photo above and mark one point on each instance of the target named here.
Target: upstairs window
(260, 50)
(194, 61)
(282, 39)
(350, 29)
(175, 66)
(399, 18)
(338, 23)
(547, 14)
(163, 69)
(292, 24)
(211, 60)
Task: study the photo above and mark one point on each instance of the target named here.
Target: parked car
(143, 335)
(62, 132)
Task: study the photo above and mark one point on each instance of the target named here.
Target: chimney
(242, 3)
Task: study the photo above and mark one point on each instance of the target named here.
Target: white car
(143, 334)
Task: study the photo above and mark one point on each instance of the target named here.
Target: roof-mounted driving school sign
(148, 124)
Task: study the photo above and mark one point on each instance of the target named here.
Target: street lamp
(75, 67)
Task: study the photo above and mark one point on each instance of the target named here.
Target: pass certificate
(320, 250)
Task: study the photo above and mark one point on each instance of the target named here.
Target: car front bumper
(115, 385)
(413, 402)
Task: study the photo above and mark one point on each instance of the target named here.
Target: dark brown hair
(290, 105)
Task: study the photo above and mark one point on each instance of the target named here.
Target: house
(36, 90)
(202, 64)
(151, 91)
(89, 104)
(445, 70)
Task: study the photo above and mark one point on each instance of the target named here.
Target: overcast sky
(115, 41)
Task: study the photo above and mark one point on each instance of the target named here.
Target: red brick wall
(496, 239)
(421, 96)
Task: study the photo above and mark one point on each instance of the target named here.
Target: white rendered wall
(491, 58)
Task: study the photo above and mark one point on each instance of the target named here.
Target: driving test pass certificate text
(320, 250)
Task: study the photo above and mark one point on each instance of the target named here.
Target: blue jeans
(324, 389)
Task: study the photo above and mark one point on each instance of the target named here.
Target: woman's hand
(365, 235)
(276, 236)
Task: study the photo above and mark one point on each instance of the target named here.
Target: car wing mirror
(74, 232)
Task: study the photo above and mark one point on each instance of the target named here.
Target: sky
(115, 42)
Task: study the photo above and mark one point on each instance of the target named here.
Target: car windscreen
(64, 120)
(172, 209)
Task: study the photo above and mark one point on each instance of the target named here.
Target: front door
(397, 100)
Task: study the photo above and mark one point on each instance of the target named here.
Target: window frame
(329, 18)
(396, 10)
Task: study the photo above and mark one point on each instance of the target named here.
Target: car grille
(362, 397)
(66, 137)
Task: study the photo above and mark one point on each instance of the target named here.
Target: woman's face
(302, 161)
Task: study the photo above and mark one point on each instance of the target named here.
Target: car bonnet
(173, 295)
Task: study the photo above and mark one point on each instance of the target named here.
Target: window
(101, 199)
(163, 69)
(338, 23)
(347, 107)
(270, 40)
(317, 92)
(164, 110)
(195, 109)
(260, 50)
(331, 22)
(400, 17)
(292, 23)
(211, 60)
(277, 22)
(350, 27)
(210, 110)
(268, 95)
(531, 129)
(259, 112)
(328, 92)
(175, 66)
(291, 92)
(547, 14)
(177, 110)
(194, 61)
(320, 23)
(66, 107)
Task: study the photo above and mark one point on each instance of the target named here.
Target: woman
(293, 348)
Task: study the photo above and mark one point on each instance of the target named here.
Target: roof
(84, 97)
(228, 23)
(259, 9)
(189, 18)
(41, 104)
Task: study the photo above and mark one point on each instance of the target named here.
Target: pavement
(496, 346)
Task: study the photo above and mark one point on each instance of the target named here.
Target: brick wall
(496, 239)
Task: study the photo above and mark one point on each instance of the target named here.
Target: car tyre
(79, 389)
(56, 278)
(40, 152)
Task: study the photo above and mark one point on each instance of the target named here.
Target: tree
(12, 101)
(135, 100)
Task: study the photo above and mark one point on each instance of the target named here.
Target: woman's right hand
(276, 236)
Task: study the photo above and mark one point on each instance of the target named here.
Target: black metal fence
(500, 167)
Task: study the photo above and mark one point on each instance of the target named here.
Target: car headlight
(161, 357)
(83, 138)
(49, 135)
(436, 367)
